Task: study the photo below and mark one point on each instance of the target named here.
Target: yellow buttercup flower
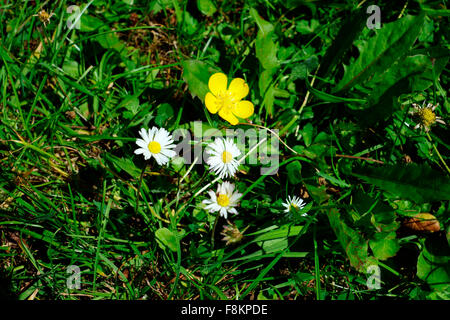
(228, 102)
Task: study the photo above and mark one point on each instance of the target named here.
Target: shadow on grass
(6, 292)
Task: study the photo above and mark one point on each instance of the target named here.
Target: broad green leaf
(90, 23)
(307, 133)
(190, 24)
(386, 106)
(319, 194)
(375, 212)
(413, 73)
(307, 26)
(355, 246)
(418, 183)
(131, 104)
(275, 245)
(433, 264)
(106, 38)
(125, 164)
(448, 235)
(166, 238)
(269, 100)
(164, 113)
(264, 26)
(352, 241)
(333, 180)
(351, 28)
(294, 172)
(302, 69)
(110, 41)
(196, 74)
(384, 245)
(266, 48)
(331, 98)
(319, 148)
(266, 51)
(378, 53)
(428, 29)
(267, 89)
(399, 70)
(206, 7)
(158, 5)
(177, 164)
(265, 80)
(71, 67)
(437, 60)
(261, 296)
(284, 231)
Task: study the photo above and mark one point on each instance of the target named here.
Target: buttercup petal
(212, 103)
(228, 116)
(218, 83)
(243, 109)
(238, 88)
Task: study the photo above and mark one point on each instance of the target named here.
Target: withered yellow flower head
(44, 17)
(231, 233)
(426, 116)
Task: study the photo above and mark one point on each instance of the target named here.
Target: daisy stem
(214, 231)
(305, 101)
(239, 162)
(189, 170)
(272, 132)
(251, 150)
(439, 155)
(316, 264)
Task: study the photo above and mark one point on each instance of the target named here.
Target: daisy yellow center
(226, 157)
(223, 200)
(154, 147)
(294, 206)
(427, 116)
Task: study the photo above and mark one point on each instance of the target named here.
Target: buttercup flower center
(226, 157)
(154, 147)
(427, 116)
(223, 200)
(226, 100)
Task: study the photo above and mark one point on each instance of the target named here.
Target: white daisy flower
(222, 157)
(295, 203)
(224, 200)
(156, 143)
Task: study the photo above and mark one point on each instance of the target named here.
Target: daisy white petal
(225, 200)
(222, 158)
(156, 143)
(141, 143)
(224, 213)
(294, 203)
(151, 133)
